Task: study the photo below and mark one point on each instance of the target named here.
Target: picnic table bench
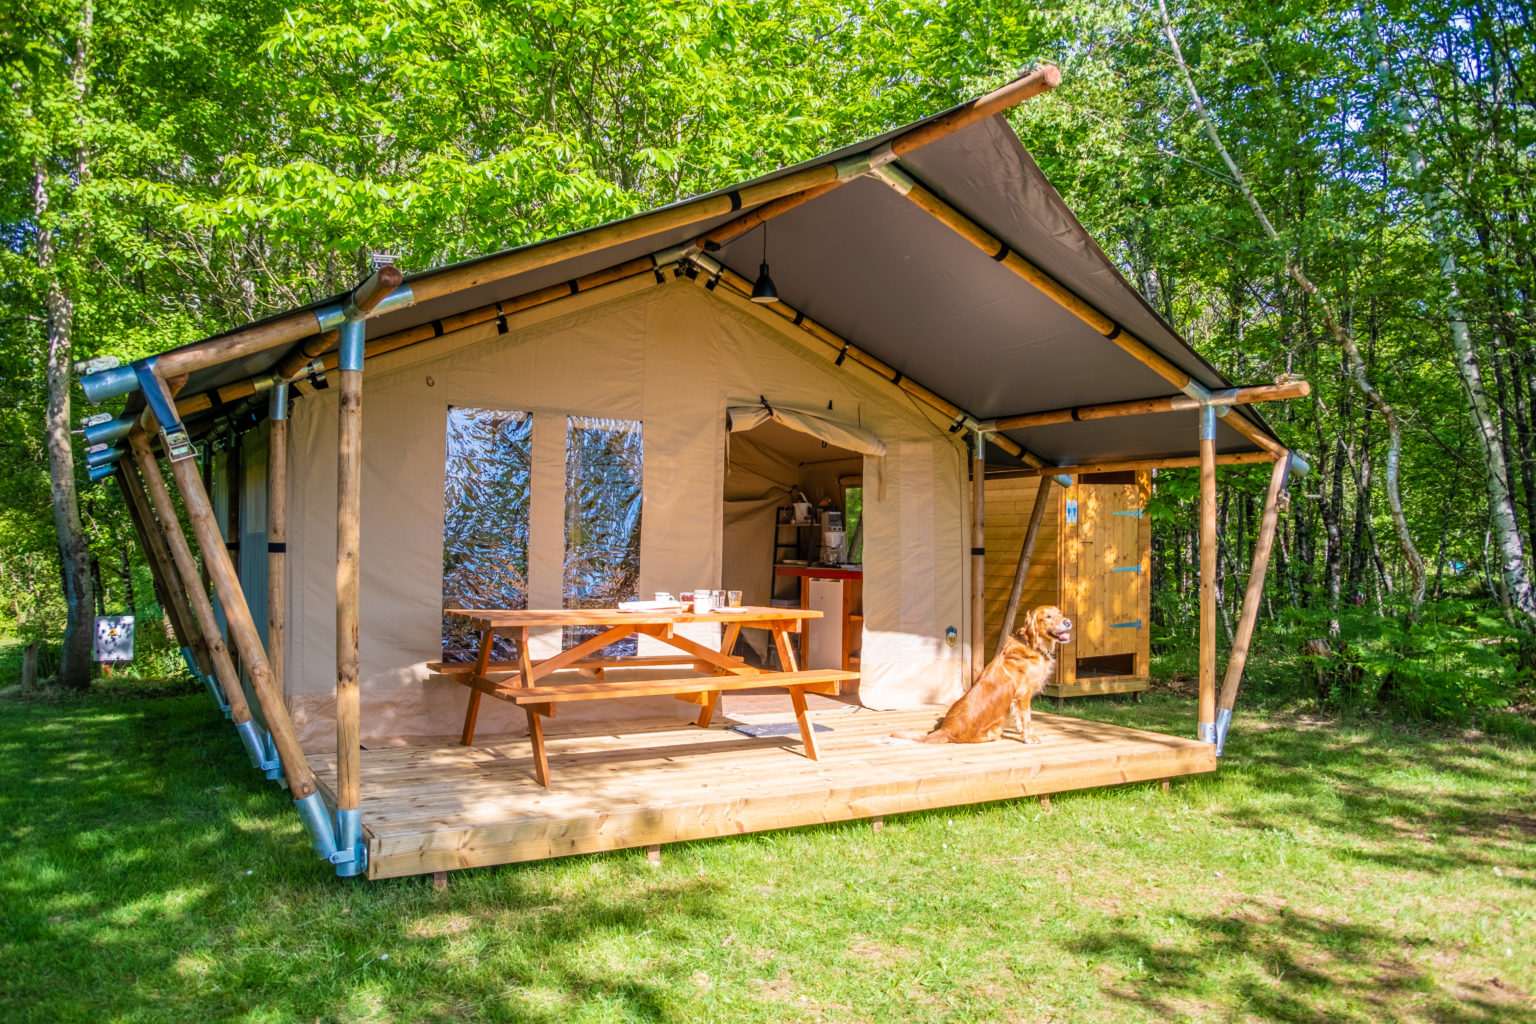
(722, 671)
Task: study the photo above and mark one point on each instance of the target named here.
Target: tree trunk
(1515, 585)
(74, 551)
(1340, 334)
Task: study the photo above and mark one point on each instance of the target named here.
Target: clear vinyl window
(485, 520)
(603, 474)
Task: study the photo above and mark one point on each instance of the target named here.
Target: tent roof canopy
(898, 283)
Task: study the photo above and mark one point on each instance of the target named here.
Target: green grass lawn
(1331, 871)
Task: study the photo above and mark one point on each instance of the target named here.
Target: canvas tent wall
(673, 357)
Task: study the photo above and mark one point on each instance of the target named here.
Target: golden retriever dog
(1012, 679)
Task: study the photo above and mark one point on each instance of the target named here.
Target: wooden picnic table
(718, 669)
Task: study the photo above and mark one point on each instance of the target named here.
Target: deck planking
(447, 807)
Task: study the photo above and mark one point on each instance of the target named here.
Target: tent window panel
(603, 474)
(485, 521)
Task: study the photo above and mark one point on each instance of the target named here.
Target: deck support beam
(1206, 728)
(1251, 600)
(1026, 555)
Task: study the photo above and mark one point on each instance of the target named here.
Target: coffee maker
(834, 539)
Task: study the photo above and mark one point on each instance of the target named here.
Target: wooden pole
(237, 613)
(349, 471)
(283, 330)
(162, 567)
(1057, 292)
(1026, 555)
(978, 555)
(191, 580)
(1171, 403)
(277, 534)
(1126, 465)
(1251, 599)
(1206, 729)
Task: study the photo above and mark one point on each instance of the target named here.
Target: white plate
(644, 607)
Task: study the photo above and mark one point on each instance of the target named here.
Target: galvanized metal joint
(277, 408)
(854, 166)
(1223, 723)
(353, 336)
(255, 748)
(893, 175)
(1207, 422)
(339, 839)
(1205, 732)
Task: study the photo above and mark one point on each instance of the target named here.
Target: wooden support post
(653, 855)
(978, 556)
(190, 577)
(349, 472)
(1166, 785)
(29, 667)
(1206, 727)
(277, 533)
(877, 823)
(162, 567)
(1045, 802)
(1026, 555)
(1251, 600)
(237, 613)
(439, 880)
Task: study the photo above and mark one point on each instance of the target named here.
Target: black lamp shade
(763, 289)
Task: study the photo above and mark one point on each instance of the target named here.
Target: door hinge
(1128, 568)
(1125, 625)
(1134, 513)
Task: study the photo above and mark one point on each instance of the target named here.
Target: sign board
(114, 638)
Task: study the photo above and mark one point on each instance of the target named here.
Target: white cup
(703, 601)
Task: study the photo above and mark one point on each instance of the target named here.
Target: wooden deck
(437, 808)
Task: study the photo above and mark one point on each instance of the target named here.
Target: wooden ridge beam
(1144, 406)
(1171, 462)
(899, 179)
(432, 284)
(840, 350)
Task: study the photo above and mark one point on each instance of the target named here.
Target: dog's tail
(937, 736)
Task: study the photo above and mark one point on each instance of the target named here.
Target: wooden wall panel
(1009, 501)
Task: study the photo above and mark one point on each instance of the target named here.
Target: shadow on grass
(148, 873)
(1413, 799)
(1290, 967)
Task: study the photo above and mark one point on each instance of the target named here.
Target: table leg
(807, 731)
(787, 660)
(482, 663)
(536, 738)
(707, 712)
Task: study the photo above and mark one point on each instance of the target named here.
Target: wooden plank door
(1111, 570)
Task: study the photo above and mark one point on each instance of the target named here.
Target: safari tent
(809, 388)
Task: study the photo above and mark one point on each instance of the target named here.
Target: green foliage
(230, 160)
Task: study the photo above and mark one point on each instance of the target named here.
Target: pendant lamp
(763, 289)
